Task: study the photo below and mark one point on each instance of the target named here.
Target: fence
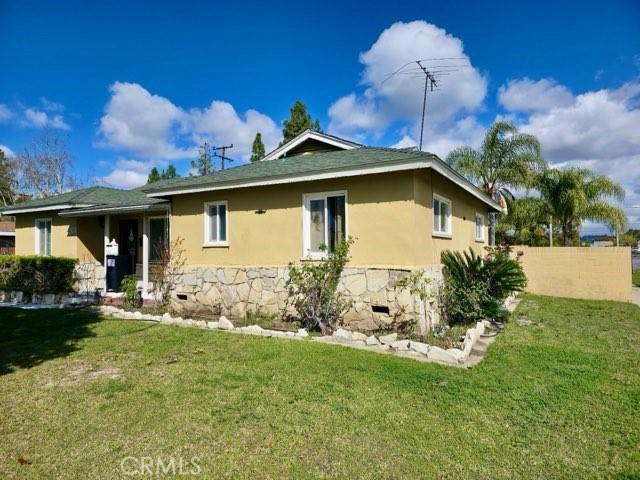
(578, 272)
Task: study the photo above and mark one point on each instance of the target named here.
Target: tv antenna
(432, 70)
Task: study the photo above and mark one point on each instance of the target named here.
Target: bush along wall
(35, 275)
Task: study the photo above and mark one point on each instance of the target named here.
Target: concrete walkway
(635, 295)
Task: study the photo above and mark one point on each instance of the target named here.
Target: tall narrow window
(215, 215)
(158, 237)
(441, 216)
(324, 222)
(479, 227)
(43, 236)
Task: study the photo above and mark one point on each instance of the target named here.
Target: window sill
(442, 235)
(215, 245)
(480, 240)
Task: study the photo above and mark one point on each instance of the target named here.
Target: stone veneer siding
(234, 291)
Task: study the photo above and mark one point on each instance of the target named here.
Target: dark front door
(129, 243)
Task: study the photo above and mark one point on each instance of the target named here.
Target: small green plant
(476, 287)
(129, 289)
(313, 289)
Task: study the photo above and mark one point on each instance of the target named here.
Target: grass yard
(635, 278)
(559, 398)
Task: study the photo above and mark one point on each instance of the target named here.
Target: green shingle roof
(311, 163)
(93, 196)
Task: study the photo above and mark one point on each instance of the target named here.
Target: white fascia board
(42, 209)
(306, 136)
(466, 185)
(114, 210)
(413, 165)
(7, 234)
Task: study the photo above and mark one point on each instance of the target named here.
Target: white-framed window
(441, 216)
(216, 224)
(479, 227)
(43, 236)
(324, 222)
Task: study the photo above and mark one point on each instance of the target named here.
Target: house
(7, 235)
(241, 227)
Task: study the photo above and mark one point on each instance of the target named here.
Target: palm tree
(525, 222)
(506, 160)
(573, 195)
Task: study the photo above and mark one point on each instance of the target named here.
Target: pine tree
(7, 180)
(169, 173)
(154, 176)
(298, 122)
(257, 149)
(204, 164)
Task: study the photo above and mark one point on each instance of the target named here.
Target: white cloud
(597, 130)
(153, 127)
(32, 117)
(525, 95)
(399, 99)
(5, 112)
(220, 124)
(141, 123)
(128, 174)
(51, 106)
(7, 151)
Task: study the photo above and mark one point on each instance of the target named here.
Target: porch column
(145, 254)
(107, 221)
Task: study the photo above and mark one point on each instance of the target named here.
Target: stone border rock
(223, 323)
(409, 348)
(388, 344)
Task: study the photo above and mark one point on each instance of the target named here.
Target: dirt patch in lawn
(82, 373)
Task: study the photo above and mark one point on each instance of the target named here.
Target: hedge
(36, 274)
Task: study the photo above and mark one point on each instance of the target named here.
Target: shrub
(476, 287)
(313, 289)
(129, 289)
(36, 274)
(171, 260)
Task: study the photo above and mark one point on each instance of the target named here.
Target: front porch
(123, 241)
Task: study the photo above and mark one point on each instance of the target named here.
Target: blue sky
(132, 84)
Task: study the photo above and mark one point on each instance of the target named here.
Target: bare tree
(44, 166)
(8, 180)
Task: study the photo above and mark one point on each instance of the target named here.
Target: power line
(222, 157)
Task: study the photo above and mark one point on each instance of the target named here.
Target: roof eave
(115, 209)
(63, 206)
(307, 134)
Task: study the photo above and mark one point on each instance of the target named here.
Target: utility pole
(223, 149)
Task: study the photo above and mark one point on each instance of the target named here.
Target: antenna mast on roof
(432, 77)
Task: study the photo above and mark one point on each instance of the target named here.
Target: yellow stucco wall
(389, 215)
(464, 207)
(391, 229)
(578, 272)
(62, 244)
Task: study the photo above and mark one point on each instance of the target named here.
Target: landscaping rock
(48, 299)
(388, 339)
(372, 340)
(137, 315)
(302, 333)
(358, 336)
(400, 345)
(419, 347)
(224, 323)
(342, 333)
(166, 317)
(253, 329)
(212, 325)
(457, 354)
(440, 355)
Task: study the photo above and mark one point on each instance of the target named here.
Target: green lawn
(557, 398)
(635, 278)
